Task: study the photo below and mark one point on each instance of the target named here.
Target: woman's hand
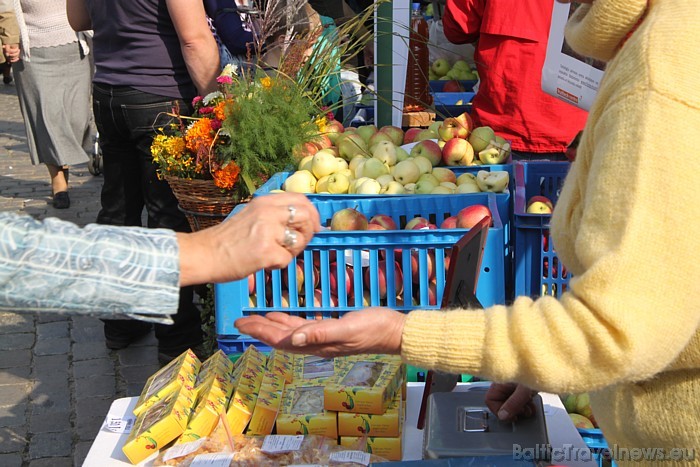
(508, 401)
(11, 52)
(266, 234)
(373, 330)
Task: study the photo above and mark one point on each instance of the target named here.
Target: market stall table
(106, 449)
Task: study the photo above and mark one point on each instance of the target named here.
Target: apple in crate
(382, 278)
(393, 188)
(367, 131)
(441, 66)
(334, 282)
(323, 163)
(301, 181)
(333, 130)
(457, 151)
(539, 205)
(385, 151)
(428, 149)
(369, 187)
(410, 135)
(481, 137)
(407, 172)
(374, 168)
(338, 183)
(452, 128)
(419, 223)
(424, 164)
(580, 421)
(415, 267)
(350, 145)
(452, 85)
(348, 219)
(395, 133)
(443, 174)
(425, 134)
(377, 138)
(385, 221)
(449, 223)
(495, 182)
(471, 215)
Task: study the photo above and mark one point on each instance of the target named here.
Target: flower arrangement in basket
(260, 117)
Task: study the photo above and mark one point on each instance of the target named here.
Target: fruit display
(386, 161)
(578, 406)
(442, 69)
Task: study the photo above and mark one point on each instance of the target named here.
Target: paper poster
(567, 75)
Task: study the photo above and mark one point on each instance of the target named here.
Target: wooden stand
(418, 119)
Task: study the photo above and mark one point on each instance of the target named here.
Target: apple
(298, 276)
(425, 134)
(415, 267)
(466, 177)
(395, 133)
(449, 185)
(430, 178)
(355, 161)
(452, 86)
(333, 130)
(251, 284)
(341, 164)
(424, 164)
(393, 188)
(307, 148)
(580, 421)
(490, 155)
(305, 163)
(440, 66)
(428, 149)
(425, 187)
(355, 184)
(322, 141)
(466, 121)
(457, 151)
(480, 138)
(334, 282)
(441, 190)
(468, 187)
(496, 181)
(375, 227)
(471, 215)
(503, 147)
(449, 223)
(369, 187)
(349, 219)
(461, 65)
(443, 174)
(318, 300)
(385, 221)
(539, 205)
(351, 145)
(452, 128)
(418, 223)
(401, 154)
(410, 135)
(366, 131)
(410, 188)
(373, 168)
(382, 275)
(301, 181)
(380, 136)
(385, 179)
(385, 151)
(338, 184)
(322, 184)
(323, 163)
(407, 171)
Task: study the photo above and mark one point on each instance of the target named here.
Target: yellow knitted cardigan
(627, 225)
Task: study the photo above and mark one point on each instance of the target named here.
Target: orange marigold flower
(199, 135)
(266, 82)
(219, 111)
(227, 176)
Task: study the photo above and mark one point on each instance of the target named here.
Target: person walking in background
(510, 47)
(150, 57)
(234, 30)
(53, 85)
(9, 39)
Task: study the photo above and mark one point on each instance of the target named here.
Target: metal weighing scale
(458, 424)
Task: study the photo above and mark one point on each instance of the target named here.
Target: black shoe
(7, 79)
(61, 200)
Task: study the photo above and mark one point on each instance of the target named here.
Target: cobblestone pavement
(57, 378)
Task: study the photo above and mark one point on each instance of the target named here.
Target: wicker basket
(203, 203)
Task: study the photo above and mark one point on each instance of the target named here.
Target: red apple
(333, 280)
(318, 301)
(382, 278)
(452, 85)
(452, 128)
(395, 133)
(415, 267)
(348, 219)
(251, 284)
(466, 121)
(457, 151)
(323, 141)
(471, 215)
(333, 130)
(539, 205)
(449, 223)
(428, 149)
(417, 223)
(410, 135)
(375, 227)
(385, 221)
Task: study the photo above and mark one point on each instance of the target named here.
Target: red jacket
(512, 43)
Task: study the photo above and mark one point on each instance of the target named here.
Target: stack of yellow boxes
(367, 393)
(247, 378)
(277, 375)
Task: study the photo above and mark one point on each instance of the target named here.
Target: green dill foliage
(266, 117)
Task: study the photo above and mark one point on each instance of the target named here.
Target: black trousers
(126, 119)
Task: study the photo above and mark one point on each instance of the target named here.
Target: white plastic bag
(440, 47)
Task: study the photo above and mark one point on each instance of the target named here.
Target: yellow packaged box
(179, 373)
(388, 448)
(240, 410)
(218, 364)
(364, 386)
(157, 426)
(211, 402)
(302, 413)
(265, 413)
(386, 425)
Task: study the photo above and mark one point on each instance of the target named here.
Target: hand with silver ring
(290, 238)
(292, 213)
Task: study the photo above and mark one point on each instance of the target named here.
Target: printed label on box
(180, 450)
(219, 459)
(277, 444)
(357, 457)
(119, 424)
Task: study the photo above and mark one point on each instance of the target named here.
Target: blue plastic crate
(538, 270)
(596, 442)
(332, 254)
(445, 103)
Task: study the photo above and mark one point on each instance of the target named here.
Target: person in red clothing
(510, 45)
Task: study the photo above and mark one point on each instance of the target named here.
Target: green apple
(395, 133)
(393, 188)
(305, 163)
(323, 163)
(385, 151)
(423, 163)
(301, 181)
(385, 179)
(341, 164)
(449, 185)
(373, 168)
(425, 187)
(496, 181)
(347, 172)
(441, 190)
(355, 161)
(481, 137)
(461, 65)
(401, 154)
(490, 156)
(338, 184)
(322, 184)
(468, 187)
(377, 137)
(441, 66)
(352, 189)
(428, 178)
(410, 188)
(435, 126)
(407, 171)
(366, 131)
(466, 178)
(369, 187)
(425, 134)
(351, 144)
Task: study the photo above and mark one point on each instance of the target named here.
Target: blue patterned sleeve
(107, 271)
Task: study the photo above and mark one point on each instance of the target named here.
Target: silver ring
(292, 213)
(290, 238)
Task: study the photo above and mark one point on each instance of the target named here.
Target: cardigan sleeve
(56, 266)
